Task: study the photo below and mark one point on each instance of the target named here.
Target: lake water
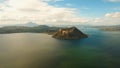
(36, 50)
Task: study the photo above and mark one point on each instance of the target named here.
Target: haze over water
(36, 50)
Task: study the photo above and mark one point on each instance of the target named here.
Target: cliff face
(69, 33)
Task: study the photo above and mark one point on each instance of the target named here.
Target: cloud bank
(39, 11)
(108, 19)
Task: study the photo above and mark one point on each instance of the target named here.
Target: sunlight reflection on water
(30, 50)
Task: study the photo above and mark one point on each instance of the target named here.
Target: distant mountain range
(31, 29)
(29, 24)
(109, 28)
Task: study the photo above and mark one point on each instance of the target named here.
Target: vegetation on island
(26, 29)
(69, 33)
(57, 32)
(109, 28)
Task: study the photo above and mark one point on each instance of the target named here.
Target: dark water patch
(29, 50)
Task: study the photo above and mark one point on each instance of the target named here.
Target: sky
(83, 12)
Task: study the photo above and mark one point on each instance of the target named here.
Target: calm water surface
(35, 50)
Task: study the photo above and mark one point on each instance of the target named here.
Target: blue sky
(92, 12)
(90, 8)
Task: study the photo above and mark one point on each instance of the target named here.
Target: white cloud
(113, 0)
(108, 19)
(113, 15)
(39, 11)
(22, 11)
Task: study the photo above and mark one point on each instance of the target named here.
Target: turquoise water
(34, 50)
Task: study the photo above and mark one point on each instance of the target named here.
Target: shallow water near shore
(36, 50)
